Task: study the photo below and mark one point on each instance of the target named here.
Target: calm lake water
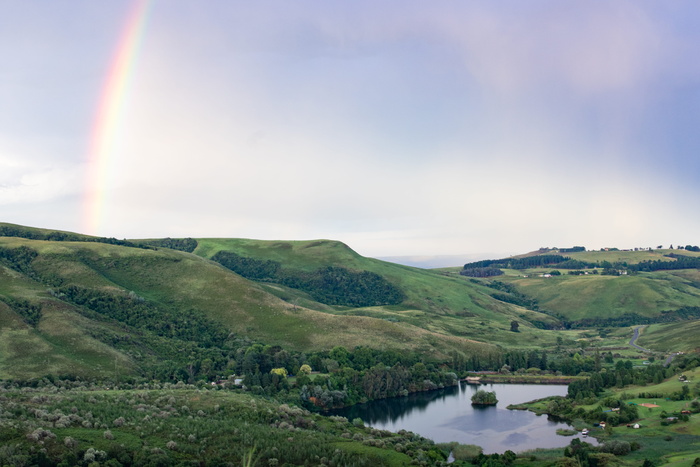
(447, 415)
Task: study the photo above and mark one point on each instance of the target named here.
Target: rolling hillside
(600, 297)
(601, 288)
(90, 307)
(72, 304)
(438, 302)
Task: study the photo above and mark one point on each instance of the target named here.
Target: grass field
(438, 302)
(672, 337)
(62, 343)
(630, 257)
(596, 296)
(676, 442)
(442, 311)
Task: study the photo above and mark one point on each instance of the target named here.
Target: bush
(482, 397)
(466, 452)
(617, 447)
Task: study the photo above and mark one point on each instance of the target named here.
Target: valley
(306, 326)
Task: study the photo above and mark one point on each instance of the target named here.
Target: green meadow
(597, 296)
(90, 309)
(628, 256)
(67, 339)
(440, 312)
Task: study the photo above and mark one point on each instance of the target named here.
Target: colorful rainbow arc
(110, 113)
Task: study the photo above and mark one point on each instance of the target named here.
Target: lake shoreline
(521, 379)
(449, 416)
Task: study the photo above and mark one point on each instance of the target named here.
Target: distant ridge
(440, 261)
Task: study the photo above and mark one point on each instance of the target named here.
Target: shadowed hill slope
(92, 308)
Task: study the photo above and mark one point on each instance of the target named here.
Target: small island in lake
(482, 397)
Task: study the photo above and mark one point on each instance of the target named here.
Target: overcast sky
(397, 127)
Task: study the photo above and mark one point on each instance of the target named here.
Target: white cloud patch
(459, 127)
(26, 183)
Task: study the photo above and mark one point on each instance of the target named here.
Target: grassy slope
(445, 304)
(62, 343)
(675, 337)
(672, 337)
(442, 311)
(631, 257)
(591, 296)
(41, 231)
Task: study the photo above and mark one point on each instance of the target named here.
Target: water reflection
(447, 415)
(391, 411)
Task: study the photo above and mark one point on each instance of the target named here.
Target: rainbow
(109, 116)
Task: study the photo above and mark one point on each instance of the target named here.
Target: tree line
(29, 312)
(519, 263)
(332, 285)
(491, 267)
(19, 259)
(135, 311)
(628, 319)
(55, 236)
(182, 244)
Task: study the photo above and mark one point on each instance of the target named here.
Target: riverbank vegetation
(79, 424)
(482, 397)
(644, 414)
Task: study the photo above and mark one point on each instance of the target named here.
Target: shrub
(466, 452)
(40, 434)
(70, 442)
(482, 397)
(617, 447)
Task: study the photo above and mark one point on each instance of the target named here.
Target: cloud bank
(399, 129)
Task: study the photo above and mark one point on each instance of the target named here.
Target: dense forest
(519, 263)
(332, 285)
(182, 244)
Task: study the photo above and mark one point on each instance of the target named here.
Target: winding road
(635, 336)
(633, 341)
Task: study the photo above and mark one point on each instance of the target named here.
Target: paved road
(669, 358)
(635, 337)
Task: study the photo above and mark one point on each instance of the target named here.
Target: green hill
(97, 307)
(672, 337)
(601, 297)
(71, 304)
(601, 288)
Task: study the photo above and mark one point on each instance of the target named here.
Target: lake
(447, 415)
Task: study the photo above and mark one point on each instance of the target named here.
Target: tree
(305, 369)
(279, 371)
(482, 397)
(514, 326)
(341, 355)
